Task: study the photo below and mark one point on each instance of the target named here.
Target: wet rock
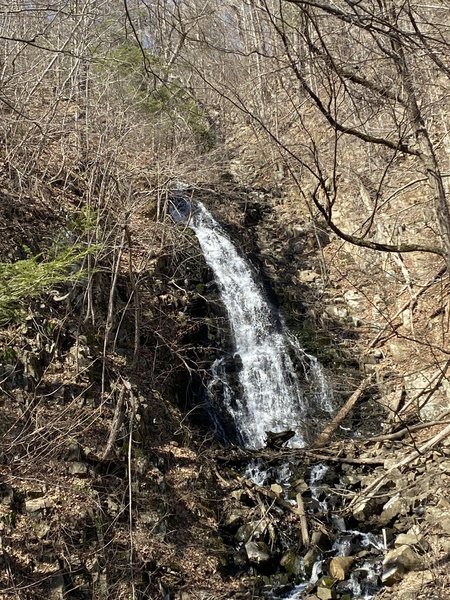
(257, 552)
(279, 580)
(398, 562)
(278, 439)
(300, 486)
(310, 559)
(340, 567)
(250, 530)
(325, 588)
(320, 540)
(292, 562)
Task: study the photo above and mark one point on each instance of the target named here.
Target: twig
(116, 423)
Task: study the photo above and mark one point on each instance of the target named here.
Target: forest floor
(107, 489)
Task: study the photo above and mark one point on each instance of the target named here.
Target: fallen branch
(397, 435)
(326, 434)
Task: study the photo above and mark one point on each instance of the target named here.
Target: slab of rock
(364, 509)
(234, 517)
(394, 507)
(307, 276)
(251, 530)
(398, 562)
(407, 539)
(310, 559)
(257, 552)
(38, 505)
(340, 567)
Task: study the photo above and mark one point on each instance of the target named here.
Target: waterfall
(271, 398)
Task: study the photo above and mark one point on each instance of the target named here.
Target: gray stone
(437, 402)
(398, 562)
(251, 530)
(79, 469)
(300, 486)
(310, 559)
(292, 562)
(257, 552)
(41, 528)
(337, 312)
(354, 299)
(407, 539)
(393, 507)
(234, 516)
(307, 276)
(74, 452)
(363, 509)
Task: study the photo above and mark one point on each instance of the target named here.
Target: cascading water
(272, 398)
(269, 396)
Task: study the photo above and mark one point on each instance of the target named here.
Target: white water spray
(272, 399)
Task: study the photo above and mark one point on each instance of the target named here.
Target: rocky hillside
(317, 134)
(111, 477)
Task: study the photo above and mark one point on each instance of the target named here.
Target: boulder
(364, 509)
(251, 530)
(398, 562)
(276, 489)
(307, 276)
(310, 558)
(292, 562)
(257, 552)
(325, 589)
(394, 507)
(340, 567)
(407, 539)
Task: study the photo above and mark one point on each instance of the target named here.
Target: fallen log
(326, 434)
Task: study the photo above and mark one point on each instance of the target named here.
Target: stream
(280, 389)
